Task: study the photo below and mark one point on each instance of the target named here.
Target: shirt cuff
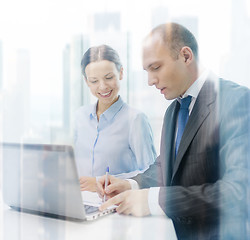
(134, 185)
(153, 202)
(97, 178)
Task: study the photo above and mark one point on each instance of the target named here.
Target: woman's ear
(121, 74)
(187, 54)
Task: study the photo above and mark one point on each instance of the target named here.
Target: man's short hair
(175, 37)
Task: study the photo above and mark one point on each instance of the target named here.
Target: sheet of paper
(91, 198)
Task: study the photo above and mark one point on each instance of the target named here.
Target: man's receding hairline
(162, 30)
(150, 37)
(174, 36)
(157, 34)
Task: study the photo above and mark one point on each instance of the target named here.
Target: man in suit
(200, 178)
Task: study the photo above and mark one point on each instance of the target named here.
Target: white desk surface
(23, 226)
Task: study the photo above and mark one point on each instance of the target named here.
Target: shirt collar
(110, 112)
(195, 88)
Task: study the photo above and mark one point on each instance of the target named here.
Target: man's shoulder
(222, 89)
(230, 91)
(228, 86)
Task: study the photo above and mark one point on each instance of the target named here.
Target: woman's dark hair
(98, 53)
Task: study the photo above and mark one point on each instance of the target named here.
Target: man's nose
(152, 80)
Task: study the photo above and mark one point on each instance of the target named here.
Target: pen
(106, 182)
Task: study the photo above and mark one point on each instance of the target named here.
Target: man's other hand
(131, 202)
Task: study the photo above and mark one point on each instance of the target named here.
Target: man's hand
(134, 202)
(114, 187)
(88, 184)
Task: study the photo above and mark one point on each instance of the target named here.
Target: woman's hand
(88, 184)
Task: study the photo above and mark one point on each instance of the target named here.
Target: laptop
(43, 179)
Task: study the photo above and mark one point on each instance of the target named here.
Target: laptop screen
(42, 178)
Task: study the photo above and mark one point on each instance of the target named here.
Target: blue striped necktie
(182, 120)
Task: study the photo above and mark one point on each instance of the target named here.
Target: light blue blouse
(121, 140)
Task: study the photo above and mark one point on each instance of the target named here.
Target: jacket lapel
(199, 113)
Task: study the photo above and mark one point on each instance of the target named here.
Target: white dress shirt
(153, 197)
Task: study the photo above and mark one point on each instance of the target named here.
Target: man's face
(169, 75)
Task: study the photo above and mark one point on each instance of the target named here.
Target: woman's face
(103, 79)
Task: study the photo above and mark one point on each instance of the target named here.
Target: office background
(42, 42)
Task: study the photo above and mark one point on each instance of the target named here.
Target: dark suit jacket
(203, 190)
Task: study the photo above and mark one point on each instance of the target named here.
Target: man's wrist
(153, 201)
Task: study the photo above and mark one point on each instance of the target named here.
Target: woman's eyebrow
(91, 78)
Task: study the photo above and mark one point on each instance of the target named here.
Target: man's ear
(187, 54)
(121, 74)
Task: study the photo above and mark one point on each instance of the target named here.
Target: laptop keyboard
(90, 209)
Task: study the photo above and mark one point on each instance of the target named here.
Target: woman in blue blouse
(109, 133)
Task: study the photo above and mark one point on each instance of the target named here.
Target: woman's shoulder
(84, 110)
(134, 113)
